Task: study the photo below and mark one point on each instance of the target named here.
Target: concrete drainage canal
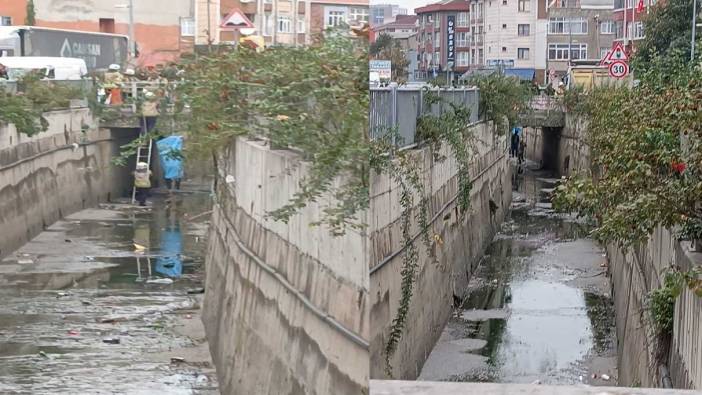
(539, 307)
(108, 300)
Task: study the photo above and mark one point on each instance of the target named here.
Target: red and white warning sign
(618, 69)
(617, 53)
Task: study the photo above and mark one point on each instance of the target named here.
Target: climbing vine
(452, 128)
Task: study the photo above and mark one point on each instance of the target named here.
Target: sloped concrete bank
(55, 173)
(285, 306)
(459, 244)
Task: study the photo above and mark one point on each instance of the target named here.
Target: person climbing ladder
(142, 182)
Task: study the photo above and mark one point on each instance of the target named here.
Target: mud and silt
(538, 308)
(106, 301)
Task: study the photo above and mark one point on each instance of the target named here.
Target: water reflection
(523, 318)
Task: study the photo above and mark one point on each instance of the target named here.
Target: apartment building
(402, 27)
(163, 29)
(578, 30)
(628, 16)
(443, 37)
(279, 22)
(515, 35)
(385, 13)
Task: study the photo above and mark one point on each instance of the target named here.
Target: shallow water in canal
(102, 302)
(539, 307)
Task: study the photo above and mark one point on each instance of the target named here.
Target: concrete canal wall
(285, 305)
(635, 272)
(461, 242)
(46, 177)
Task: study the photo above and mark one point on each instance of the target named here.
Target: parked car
(52, 68)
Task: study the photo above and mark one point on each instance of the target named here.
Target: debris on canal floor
(538, 308)
(96, 308)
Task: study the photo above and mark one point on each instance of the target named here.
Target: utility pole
(694, 26)
(132, 44)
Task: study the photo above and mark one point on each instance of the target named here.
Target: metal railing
(401, 107)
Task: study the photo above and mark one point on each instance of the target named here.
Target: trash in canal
(177, 359)
(605, 377)
(73, 333)
(111, 340)
(201, 379)
(159, 281)
(43, 354)
(85, 303)
(196, 291)
(188, 316)
(25, 261)
(62, 294)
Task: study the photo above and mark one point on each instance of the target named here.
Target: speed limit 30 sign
(618, 69)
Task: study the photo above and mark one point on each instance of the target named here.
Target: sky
(409, 4)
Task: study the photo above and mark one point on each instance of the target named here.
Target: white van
(54, 68)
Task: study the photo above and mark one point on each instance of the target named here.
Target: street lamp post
(694, 26)
(132, 44)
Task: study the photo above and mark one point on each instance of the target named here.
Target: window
(618, 29)
(504, 49)
(523, 30)
(480, 56)
(5, 21)
(504, 26)
(504, 2)
(462, 19)
(268, 25)
(523, 53)
(462, 39)
(437, 40)
(638, 30)
(436, 58)
(607, 27)
(562, 25)
(524, 5)
(603, 52)
(107, 25)
(629, 3)
(560, 51)
(187, 26)
(462, 59)
(335, 18)
(300, 25)
(284, 24)
(359, 14)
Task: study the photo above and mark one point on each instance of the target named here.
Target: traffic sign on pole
(616, 54)
(618, 69)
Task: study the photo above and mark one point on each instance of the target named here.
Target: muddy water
(539, 308)
(85, 310)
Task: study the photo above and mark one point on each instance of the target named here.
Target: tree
(387, 48)
(31, 14)
(666, 47)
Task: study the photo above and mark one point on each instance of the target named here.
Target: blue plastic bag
(169, 150)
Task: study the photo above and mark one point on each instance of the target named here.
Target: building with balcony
(628, 21)
(401, 28)
(578, 30)
(163, 29)
(443, 37)
(279, 22)
(515, 36)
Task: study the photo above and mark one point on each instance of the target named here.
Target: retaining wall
(285, 306)
(461, 243)
(636, 272)
(45, 177)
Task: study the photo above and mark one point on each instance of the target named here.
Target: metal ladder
(143, 155)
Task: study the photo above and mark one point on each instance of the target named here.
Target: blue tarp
(522, 74)
(170, 263)
(169, 150)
